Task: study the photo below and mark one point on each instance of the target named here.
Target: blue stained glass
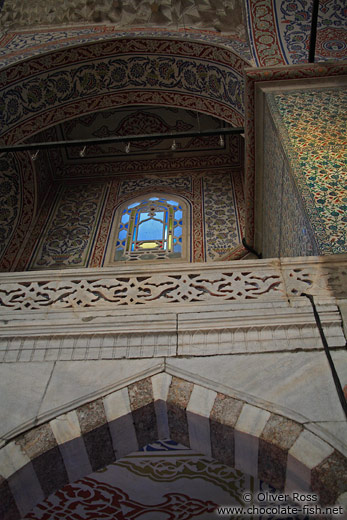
(154, 223)
(122, 234)
(178, 232)
(150, 230)
(158, 215)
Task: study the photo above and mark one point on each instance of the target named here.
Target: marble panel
(161, 384)
(272, 464)
(99, 446)
(66, 427)
(8, 507)
(71, 382)
(12, 459)
(299, 381)
(281, 432)
(26, 489)
(122, 429)
(198, 411)
(310, 449)
(21, 389)
(37, 442)
(75, 457)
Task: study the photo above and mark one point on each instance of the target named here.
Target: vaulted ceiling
(223, 16)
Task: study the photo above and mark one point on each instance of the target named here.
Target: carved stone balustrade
(187, 309)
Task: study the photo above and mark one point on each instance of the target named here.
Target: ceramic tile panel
(287, 229)
(67, 238)
(76, 222)
(311, 126)
(279, 31)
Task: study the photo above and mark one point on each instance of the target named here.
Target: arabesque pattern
(17, 45)
(312, 127)
(108, 68)
(217, 283)
(139, 290)
(279, 31)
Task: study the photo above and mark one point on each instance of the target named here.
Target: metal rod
(314, 20)
(118, 139)
(250, 248)
(336, 378)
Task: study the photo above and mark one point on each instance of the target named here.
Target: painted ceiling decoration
(162, 480)
(279, 31)
(186, 20)
(261, 32)
(225, 17)
(101, 75)
(161, 63)
(145, 156)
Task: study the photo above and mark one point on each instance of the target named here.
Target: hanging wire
(34, 155)
(83, 151)
(127, 148)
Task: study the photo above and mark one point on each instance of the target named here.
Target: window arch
(150, 228)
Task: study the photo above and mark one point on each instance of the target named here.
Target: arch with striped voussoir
(266, 445)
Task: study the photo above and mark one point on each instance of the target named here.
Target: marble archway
(252, 439)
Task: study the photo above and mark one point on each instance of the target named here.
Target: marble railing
(177, 309)
(162, 285)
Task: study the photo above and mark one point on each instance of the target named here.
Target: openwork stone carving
(215, 283)
(138, 290)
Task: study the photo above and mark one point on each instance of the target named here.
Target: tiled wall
(286, 230)
(304, 187)
(74, 226)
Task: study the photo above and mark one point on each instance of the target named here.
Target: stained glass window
(150, 229)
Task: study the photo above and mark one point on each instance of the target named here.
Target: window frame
(110, 255)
